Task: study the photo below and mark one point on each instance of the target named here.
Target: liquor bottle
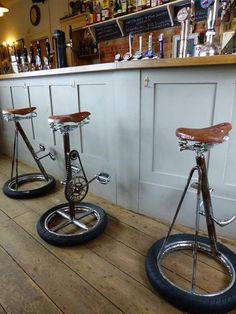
(105, 10)
(149, 3)
(95, 9)
(154, 3)
(95, 48)
(124, 6)
(83, 7)
(141, 4)
(117, 8)
(99, 12)
(111, 8)
(87, 15)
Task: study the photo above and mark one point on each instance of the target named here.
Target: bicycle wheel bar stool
(23, 186)
(191, 299)
(74, 222)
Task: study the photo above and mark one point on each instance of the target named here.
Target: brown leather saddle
(73, 117)
(20, 111)
(211, 135)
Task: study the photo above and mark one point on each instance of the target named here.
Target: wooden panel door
(172, 99)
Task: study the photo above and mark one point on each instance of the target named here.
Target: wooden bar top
(221, 60)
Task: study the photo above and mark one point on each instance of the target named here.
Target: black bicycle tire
(72, 240)
(185, 301)
(25, 194)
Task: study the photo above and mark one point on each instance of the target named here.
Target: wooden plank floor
(106, 275)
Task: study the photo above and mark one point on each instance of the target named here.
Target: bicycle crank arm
(101, 177)
(51, 155)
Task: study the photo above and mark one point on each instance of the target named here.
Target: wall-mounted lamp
(3, 9)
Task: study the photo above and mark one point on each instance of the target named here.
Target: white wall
(16, 23)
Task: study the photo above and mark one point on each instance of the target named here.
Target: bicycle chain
(73, 193)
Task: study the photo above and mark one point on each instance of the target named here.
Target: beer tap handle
(140, 43)
(48, 49)
(131, 36)
(70, 36)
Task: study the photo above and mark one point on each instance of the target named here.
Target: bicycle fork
(19, 129)
(203, 196)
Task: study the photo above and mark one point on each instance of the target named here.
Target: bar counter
(135, 108)
(139, 64)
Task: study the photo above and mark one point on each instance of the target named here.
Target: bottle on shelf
(95, 48)
(149, 2)
(99, 12)
(83, 6)
(95, 9)
(141, 5)
(131, 6)
(87, 14)
(154, 3)
(105, 10)
(124, 6)
(111, 8)
(117, 8)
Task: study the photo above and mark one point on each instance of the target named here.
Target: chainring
(76, 189)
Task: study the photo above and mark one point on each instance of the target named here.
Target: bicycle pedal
(103, 178)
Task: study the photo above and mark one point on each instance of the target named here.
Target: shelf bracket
(92, 32)
(170, 10)
(121, 26)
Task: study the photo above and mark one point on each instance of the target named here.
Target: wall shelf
(121, 20)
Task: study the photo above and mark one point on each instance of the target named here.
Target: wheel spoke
(80, 224)
(85, 214)
(60, 226)
(76, 221)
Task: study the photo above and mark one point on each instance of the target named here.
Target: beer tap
(186, 17)
(213, 7)
(47, 58)
(31, 58)
(38, 57)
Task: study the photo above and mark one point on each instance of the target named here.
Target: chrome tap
(186, 17)
(210, 48)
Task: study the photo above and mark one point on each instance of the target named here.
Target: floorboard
(106, 275)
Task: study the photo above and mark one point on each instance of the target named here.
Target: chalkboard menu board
(200, 13)
(107, 31)
(147, 22)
